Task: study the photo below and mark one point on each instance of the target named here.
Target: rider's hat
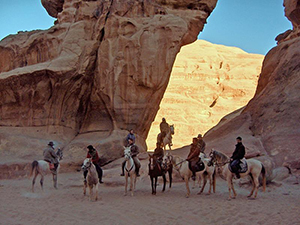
(199, 135)
(90, 147)
(51, 143)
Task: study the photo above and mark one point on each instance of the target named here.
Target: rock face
(99, 71)
(207, 82)
(270, 122)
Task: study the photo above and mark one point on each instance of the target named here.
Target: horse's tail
(264, 181)
(214, 180)
(34, 166)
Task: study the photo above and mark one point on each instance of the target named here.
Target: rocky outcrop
(270, 122)
(207, 82)
(100, 70)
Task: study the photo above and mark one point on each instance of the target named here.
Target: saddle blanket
(243, 166)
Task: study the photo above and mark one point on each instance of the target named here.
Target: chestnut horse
(156, 170)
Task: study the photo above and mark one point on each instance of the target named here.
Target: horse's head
(87, 163)
(152, 159)
(127, 153)
(172, 129)
(60, 154)
(212, 157)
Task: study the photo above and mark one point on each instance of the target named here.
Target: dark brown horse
(156, 170)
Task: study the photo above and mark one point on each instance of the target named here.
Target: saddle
(243, 167)
(51, 165)
(199, 166)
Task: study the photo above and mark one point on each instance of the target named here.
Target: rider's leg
(137, 166)
(123, 167)
(100, 172)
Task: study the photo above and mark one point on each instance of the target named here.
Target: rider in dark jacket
(237, 155)
(134, 152)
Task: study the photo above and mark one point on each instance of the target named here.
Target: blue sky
(251, 25)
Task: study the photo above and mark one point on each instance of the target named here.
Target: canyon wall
(270, 123)
(207, 82)
(101, 70)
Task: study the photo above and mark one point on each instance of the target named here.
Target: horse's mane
(220, 156)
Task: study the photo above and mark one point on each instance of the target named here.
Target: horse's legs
(155, 185)
(203, 177)
(164, 178)
(126, 183)
(91, 192)
(33, 180)
(152, 184)
(170, 177)
(214, 180)
(42, 181)
(55, 181)
(186, 179)
(256, 184)
(229, 183)
(132, 178)
(96, 190)
(233, 190)
(253, 185)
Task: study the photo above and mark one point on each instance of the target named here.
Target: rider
(164, 129)
(131, 136)
(159, 153)
(50, 155)
(193, 156)
(237, 155)
(201, 143)
(134, 152)
(92, 153)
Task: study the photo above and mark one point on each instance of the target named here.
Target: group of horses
(216, 160)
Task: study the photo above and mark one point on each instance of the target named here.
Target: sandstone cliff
(270, 122)
(207, 82)
(100, 70)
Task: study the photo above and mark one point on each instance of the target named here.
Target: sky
(251, 25)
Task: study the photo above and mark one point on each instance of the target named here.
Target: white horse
(182, 166)
(255, 168)
(92, 178)
(43, 168)
(168, 138)
(129, 170)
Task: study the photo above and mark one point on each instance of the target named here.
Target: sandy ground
(67, 205)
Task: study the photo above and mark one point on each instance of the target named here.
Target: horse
(167, 140)
(168, 166)
(129, 171)
(255, 168)
(43, 168)
(156, 170)
(92, 178)
(182, 166)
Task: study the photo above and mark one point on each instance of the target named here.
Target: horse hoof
(187, 196)
(208, 193)
(199, 193)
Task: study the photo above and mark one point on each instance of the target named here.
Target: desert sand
(67, 205)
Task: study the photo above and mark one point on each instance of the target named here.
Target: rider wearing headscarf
(193, 156)
(158, 152)
(93, 154)
(50, 155)
(164, 127)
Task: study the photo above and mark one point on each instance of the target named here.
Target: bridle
(128, 157)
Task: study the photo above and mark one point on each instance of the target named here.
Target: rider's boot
(123, 167)
(194, 176)
(137, 171)
(237, 175)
